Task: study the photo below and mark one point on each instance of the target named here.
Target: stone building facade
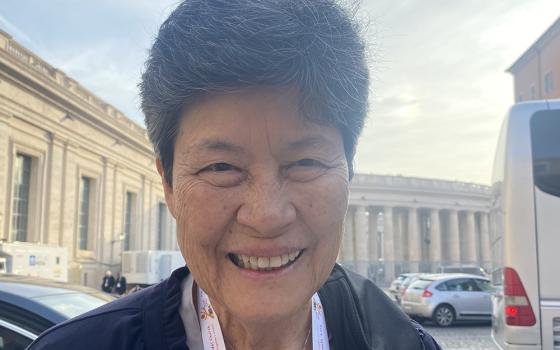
(536, 73)
(74, 171)
(401, 224)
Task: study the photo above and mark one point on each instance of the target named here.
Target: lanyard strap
(213, 338)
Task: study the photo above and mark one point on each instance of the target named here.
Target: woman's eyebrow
(216, 145)
(315, 141)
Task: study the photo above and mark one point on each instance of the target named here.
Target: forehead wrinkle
(310, 142)
(215, 145)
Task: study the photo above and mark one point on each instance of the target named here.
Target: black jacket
(120, 285)
(107, 284)
(358, 315)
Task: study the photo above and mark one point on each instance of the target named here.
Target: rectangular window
(129, 217)
(162, 211)
(85, 207)
(545, 146)
(548, 83)
(533, 93)
(20, 210)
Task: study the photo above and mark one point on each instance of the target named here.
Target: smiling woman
(277, 191)
(254, 109)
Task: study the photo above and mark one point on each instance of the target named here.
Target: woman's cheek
(332, 201)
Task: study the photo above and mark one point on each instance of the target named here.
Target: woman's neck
(290, 332)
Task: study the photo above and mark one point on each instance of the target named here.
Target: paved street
(463, 337)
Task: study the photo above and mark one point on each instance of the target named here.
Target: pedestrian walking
(120, 286)
(108, 282)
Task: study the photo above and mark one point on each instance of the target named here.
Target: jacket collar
(173, 329)
(366, 320)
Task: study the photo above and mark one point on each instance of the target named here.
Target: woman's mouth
(264, 263)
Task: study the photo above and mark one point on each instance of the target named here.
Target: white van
(525, 226)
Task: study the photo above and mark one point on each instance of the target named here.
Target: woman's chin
(269, 294)
(270, 309)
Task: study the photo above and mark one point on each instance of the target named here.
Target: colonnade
(413, 239)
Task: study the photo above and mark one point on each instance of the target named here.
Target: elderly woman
(254, 108)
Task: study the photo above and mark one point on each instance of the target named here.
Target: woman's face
(259, 196)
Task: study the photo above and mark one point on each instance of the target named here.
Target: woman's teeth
(264, 262)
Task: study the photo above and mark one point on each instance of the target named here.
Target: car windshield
(420, 284)
(71, 304)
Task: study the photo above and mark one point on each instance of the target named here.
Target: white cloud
(442, 91)
(14, 30)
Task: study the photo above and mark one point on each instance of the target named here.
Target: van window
(545, 142)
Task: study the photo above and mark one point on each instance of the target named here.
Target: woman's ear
(167, 188)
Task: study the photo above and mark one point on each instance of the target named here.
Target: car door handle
(456, 296)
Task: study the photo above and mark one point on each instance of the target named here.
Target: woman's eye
(222, 174)
(306, 169)
(219, 167)
(308, 163)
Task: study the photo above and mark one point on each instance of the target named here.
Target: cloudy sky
(439, 90)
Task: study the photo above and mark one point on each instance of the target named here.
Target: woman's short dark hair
(208, 46)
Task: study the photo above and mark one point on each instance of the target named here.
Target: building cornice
(56, 85)
(413, 192)
(536, 47)
(401, 183)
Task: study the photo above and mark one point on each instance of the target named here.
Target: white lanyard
(212, 333)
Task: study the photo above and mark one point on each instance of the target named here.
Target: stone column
(46, 190)
(348, 237)
(485, 243)
(115, 215)
(145, 214)
(454, 239)
(373, 243)
(55, 194)
(414, 241)
(361, 240)
(398, 241)
(388, 244)
(435, 237)
(107, 212)
(5, 174)
(69, 197)
(470, 239)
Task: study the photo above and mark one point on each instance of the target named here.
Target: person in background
(108, 282)
(120, 286)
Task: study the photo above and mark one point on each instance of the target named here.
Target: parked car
(30, 305)
(405, 284)
(395, 286)
(446, 298)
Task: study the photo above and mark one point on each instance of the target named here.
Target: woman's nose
(267, 209)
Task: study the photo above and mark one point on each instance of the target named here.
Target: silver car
(395, 288)
(446, 298)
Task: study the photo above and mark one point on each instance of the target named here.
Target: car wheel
(444, 316)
